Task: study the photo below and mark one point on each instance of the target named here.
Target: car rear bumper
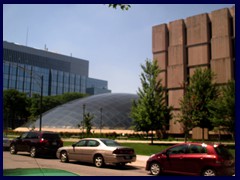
(117, 158)
(226, 171)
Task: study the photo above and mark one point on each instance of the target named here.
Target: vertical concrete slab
(174, 126)
(197, 133)
(161, 59)
(220, 23)
(177, 33)
(198, 55)
(176, 55)
(221, 47)
(174, 97)
(176, 76)
(159, 38)
(224, 70)
(232, 12)
(197, 29)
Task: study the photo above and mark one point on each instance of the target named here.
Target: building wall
(181, 46)
(23, 67)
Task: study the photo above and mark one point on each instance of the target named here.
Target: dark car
(193, 159)
(37, 143)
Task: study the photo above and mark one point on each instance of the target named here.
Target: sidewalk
(141, 161)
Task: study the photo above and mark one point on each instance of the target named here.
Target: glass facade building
(23, 68)
(109, 110)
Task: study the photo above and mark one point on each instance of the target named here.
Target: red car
(197, 159)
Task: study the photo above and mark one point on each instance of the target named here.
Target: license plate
(128, 157)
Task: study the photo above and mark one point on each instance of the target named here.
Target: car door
(77, 152)
(91, 149)
(173, 159)
(194, 159)
(20, 143)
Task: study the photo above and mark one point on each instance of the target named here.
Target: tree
(195, 104)
(149, 112)
(15, 106)
(122, 6)
(185, 115)
(223, 109)
(87, 122)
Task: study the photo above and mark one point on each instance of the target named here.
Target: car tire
(13, 149)
(64, 156)
(98, 161)
(33, 152)
(155, 168)
(209, 172)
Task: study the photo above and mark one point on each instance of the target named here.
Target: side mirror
(166, 153)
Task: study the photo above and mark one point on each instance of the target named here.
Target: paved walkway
(141, 161)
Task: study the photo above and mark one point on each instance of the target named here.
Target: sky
(115, 42)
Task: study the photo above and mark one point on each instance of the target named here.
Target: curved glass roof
(113, 108)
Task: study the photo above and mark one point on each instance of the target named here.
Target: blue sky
(115, 42)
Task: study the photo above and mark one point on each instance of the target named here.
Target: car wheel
(13, 149)
(98, 161)
(209, 172)
(155, 169)
(64, 156)
(33, 152)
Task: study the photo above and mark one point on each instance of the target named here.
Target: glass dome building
(110, 111)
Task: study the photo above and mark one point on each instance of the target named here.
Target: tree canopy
(150, 112)
(223, 109)
(195, 103)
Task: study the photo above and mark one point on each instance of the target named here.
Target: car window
(24, 135)
(92, 143)
(109, 142)
(81, 143)
(178, 149)
(50, 136)
(223, 152)
(194, 149)
(32, 135)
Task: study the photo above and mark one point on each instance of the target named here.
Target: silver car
(99, 151)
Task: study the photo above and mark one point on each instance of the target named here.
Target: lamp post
(101, 121)
(41, 96)
(84, 106)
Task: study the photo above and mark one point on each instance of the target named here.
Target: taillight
(123, 151)
(219, 160)
(43, 140)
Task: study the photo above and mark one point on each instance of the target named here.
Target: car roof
(96, 139)
(200, 143)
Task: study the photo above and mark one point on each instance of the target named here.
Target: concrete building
(204, 40)
(24, 66)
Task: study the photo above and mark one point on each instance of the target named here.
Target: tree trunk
(202, 134)
(152, 137)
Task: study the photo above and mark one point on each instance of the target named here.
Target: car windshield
(223, 152)
(109, 142)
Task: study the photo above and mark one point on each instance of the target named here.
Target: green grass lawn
(145, 148)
